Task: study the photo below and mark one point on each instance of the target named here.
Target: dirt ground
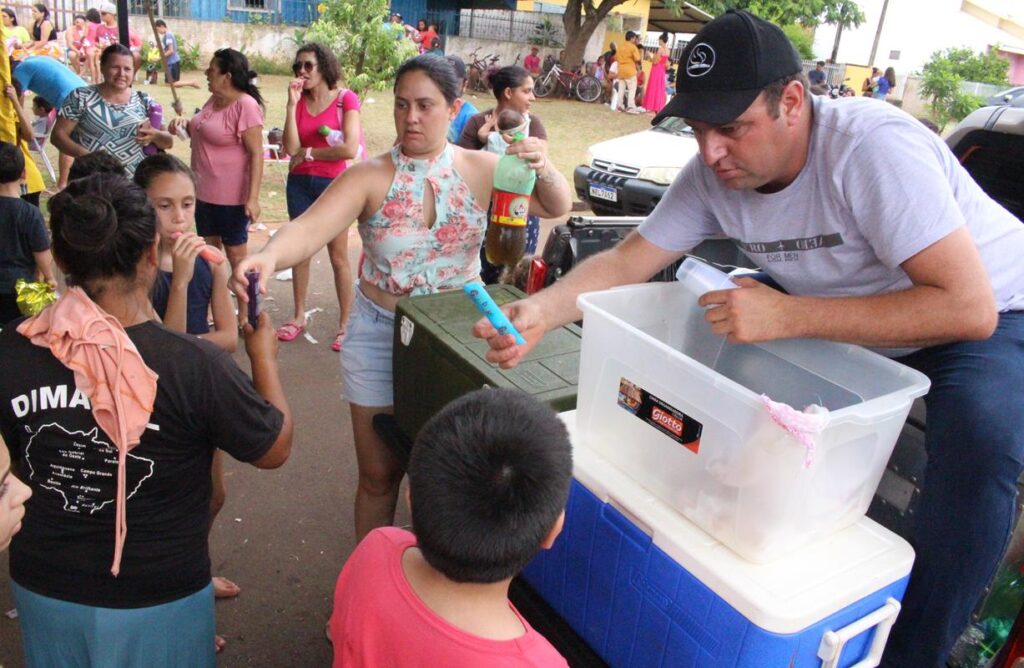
(283, 535)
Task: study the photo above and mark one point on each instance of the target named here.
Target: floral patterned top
(404, 256)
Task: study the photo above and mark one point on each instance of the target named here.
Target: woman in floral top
(421, 213)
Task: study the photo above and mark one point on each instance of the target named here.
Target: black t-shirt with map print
(66, 544)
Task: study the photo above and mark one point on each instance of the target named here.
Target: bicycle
(480, 70)
(584, 86)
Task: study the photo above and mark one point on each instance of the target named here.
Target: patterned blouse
(107, 126)
(405, 257)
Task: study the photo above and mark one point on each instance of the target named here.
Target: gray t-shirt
(878, 187)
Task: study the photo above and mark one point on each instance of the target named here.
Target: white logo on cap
(701, 60)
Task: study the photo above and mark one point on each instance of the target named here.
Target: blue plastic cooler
(643, 586)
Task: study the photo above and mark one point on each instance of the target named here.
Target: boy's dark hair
(97, 162)
(12, 163)
(40, 101)
(160, 163)
(160, 23)
(488, 478)
(101, 226)
(92, 15)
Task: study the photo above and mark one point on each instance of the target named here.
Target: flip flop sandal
(290, 331)
(336, 346)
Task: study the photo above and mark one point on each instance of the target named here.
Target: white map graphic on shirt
(83, 470)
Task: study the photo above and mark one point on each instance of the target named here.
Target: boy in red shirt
(488, 481)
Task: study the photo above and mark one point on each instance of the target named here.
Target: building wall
(641, 8)
(266, 40)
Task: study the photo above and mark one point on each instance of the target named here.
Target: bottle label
(509, 209)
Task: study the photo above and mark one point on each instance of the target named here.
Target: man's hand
(751, 313)
(527, 318)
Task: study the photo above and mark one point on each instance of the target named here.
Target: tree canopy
(947, 70)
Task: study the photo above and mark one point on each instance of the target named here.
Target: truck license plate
(607, 193)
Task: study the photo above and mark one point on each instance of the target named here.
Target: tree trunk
(878, 34)
(580, 20)
(835, 44)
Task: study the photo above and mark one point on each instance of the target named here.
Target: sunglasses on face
(303, 65)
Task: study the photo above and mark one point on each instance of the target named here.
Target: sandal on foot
(224, 588)
(290, 331)
(218, 644)
(336, 346)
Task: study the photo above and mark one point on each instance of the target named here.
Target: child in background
(43, 121)
(488, 481)
(187, 287)
(509, 123)
(24, 244)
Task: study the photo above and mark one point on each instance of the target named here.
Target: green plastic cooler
(437, 359)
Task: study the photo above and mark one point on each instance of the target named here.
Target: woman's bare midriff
(383, 298)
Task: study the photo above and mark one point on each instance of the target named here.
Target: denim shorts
(366, 354)
(302, 190)
(227, 221)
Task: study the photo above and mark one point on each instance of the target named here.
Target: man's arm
(951, 300)
(634, 260)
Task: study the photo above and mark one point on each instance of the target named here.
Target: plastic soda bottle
(333, 137)
(505, 242)
(156, 119)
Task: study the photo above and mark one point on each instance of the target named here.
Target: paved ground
(283, 535)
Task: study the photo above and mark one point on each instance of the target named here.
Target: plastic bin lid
(784, 596)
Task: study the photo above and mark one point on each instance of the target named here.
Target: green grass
(572, 126)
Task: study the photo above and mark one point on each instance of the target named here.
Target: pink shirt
(219, 158)
(90, 32)
(309, 133)
(379, 620)
(106, 35)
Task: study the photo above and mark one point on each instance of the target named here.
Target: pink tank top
(309, 133)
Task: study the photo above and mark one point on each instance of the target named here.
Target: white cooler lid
(785, 596)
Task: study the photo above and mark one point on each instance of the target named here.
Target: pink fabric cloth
(379, 620)
(309, 133)
(109, 370)
(803, 426)
(219, 158)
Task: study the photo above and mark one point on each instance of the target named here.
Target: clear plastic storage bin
(680, 411)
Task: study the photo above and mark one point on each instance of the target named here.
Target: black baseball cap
(727, 65)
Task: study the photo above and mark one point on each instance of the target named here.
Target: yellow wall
(641, 8)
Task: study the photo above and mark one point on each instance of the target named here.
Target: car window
(674, 126)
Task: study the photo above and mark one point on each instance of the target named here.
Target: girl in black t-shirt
(154, 605)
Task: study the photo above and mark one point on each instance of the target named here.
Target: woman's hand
(534, 151)
(146, 134)
(294, 92)
(11, 94)
(176, 125)
(264, 262)
(186, 248)
(253, 210)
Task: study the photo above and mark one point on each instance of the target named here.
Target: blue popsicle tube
(485, 304)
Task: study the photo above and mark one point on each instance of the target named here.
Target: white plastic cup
(700, 277)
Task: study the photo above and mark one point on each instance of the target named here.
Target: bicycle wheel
(544, 87)
(588, 88)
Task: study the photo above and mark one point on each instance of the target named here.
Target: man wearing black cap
(880, 238)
